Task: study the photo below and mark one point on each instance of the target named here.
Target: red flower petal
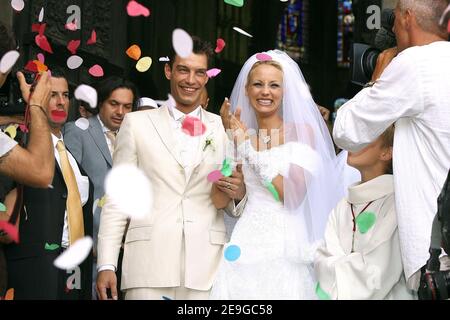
(73, 45)
(11, 230)
(42, 43)
(220, 44)
(93, 38)
(193, 126)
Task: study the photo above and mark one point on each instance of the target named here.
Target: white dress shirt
(82, 182)
(6, 144)
(105, 130)
(187, 146)
(413, 92)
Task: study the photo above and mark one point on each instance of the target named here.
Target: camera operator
(34, 165)
(409, 87)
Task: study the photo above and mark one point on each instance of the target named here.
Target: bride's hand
(225, 114)
(239, 129)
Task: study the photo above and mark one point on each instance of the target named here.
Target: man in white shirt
(176, 250)
(53, 219)
(411, 90)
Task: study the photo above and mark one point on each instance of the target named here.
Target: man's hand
(42, 91)
(325, 113)
(233, 185)
(383, 61)
(106, 280)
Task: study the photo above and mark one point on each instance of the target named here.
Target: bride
(292, 182)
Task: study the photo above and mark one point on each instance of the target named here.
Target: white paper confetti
(75, 254)
(41, 15)
(17, 5)
(242, 32)
(82, 123)
(182, 43)
(74, 62)
(8, 60)
(86, 93)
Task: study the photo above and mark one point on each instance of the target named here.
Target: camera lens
(369, 61)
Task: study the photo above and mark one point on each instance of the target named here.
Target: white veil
(318, 165)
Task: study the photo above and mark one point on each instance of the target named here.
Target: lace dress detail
(269, 267)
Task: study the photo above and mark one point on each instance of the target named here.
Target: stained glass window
(346, 21)
(293, 30)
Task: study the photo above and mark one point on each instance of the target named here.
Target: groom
(175, 252)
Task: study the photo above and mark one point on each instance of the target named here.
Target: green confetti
(51, 247)
(226, 168)
(321, 294)
(365, 221)
(2, 207)
(269, 185)
(237, 3)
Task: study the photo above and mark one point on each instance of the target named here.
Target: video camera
(435, 284)
(11, 100)
(364, 57)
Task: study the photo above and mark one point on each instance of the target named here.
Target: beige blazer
(152, 253)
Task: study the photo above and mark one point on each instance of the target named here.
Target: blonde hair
(260, 63)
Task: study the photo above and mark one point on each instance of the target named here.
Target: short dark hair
(58, 72)
(200, 47)
(7, 41)
(107, 86)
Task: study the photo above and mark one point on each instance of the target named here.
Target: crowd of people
(301, 231)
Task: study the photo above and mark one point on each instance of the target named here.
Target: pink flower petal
(11, 230)
(135, 9)
(23, 128)
(73, 45)
(193, 126)
(93, 38)
(263, 57)
(214, 176)
(72, 26)
(96, 71)
(41, 57)
(42, 42)
(220, 44)
(213, 72)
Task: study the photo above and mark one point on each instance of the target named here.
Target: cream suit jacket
(152, 252)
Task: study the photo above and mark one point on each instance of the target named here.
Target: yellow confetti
(144, 64)
(101, 202)
(11, 131)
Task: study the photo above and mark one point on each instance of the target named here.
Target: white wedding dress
(273, 261)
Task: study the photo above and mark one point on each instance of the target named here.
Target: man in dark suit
(53, 219)
(93, 148)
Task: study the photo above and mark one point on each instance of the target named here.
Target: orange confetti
(40, 66)
(134, 52)
(9, 294)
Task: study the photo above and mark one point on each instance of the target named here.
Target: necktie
(73, 204)
(112, 137)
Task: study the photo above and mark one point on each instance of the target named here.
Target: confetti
(2, 207)
(220, 44)
(144, 64)
(193, 126)
(41, 57)
(42, 42)
(41, 15)
(82, 123)
(31, 66)
(321, 294)
(213, 72)
(232, 253)
(227, 169)
(11, 230)
(365, 221)
(51, 247)
(74, 62)
(35, 27)
(236, 3)
(164, 59)
(269, 185)
(88, 94)
(215, 176)
(42, 28)
(23, 128)
(96, 71)
(58, 115)
(12, 132)
(242, 32)
(73, 45)
(17, 5)
(8, 60)
(135, 9)
(166, 298)
(93, 38)
(75, 254)
(182, 43)
(135, 202)
(9, 294)
(72, 26)
(263, 57)
(102, 202)
(40, 66)
(134, 52)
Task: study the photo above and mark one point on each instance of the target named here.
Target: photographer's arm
(34, 165)
(365, 117)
